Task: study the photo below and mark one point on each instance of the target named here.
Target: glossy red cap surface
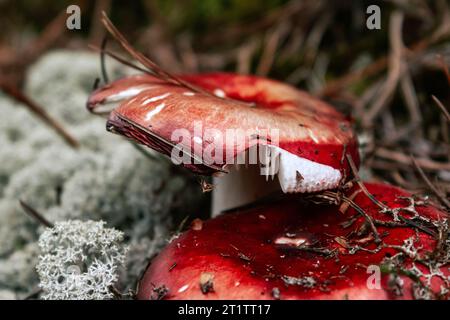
(308, 127)
(292, 250)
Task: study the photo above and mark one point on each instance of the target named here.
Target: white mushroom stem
(245, 184)
(242, 185)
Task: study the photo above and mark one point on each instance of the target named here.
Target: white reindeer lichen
(80, 260)
(106, 180)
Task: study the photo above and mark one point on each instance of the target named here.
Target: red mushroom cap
(310, 131)
(295, 250)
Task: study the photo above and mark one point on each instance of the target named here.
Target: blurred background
(59, 159)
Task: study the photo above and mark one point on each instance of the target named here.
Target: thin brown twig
(160, 32)
(116, 293)
(380, 64)
(411, 102)
(358, 209)
(441, 106)
(146, 62)
(244, 54)
(119, 58)
(402, 158)
(381, 205)
(40, 112)
(315, 36)
(154, 68)
(104, 72)
(34, 294)
(35, 215)
(188, 56)
(361, 184)
(366, 97)
(272, 42)
(432, 187)
(348, 79)
(417, 226)
(285, 12)
(395, 68)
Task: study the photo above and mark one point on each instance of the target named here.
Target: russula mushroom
(223, 118)
(289, 249)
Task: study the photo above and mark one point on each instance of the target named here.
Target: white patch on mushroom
(160, 97)
(297, 174)
(219, 93)
(126, 94)
(155, 111)
(113, 101)
(291, 242)
(183, 288)
(132, 100)
(198, 140)
(188, 94)
(313, 137)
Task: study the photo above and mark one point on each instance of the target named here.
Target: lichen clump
(80, 260)
(106, 178)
